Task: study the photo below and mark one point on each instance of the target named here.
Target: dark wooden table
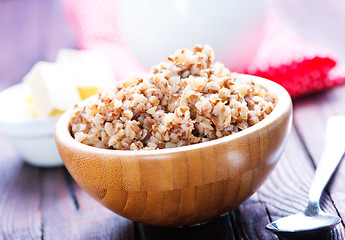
(38, 203)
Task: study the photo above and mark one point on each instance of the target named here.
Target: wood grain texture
(20, 215)
(159, 187)
(324, 105)
(219, 228)
(245, 222)
(68, 213)
(249, 220)
(286, 191)
(46, 203)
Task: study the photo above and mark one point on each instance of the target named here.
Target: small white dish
(33, 138)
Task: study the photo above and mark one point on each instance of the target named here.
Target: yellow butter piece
(28, 101)
(56, 112)
(30, 106)
(86, 92)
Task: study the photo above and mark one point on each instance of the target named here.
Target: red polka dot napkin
(300, 66)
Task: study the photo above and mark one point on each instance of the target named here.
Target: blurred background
(289, 41)
(30, 30)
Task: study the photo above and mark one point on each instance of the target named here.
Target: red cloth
(300, 66)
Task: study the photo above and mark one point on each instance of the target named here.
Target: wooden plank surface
(324, 105)
(20, 193)
(219, 228)
(286, 191)
(69, 213)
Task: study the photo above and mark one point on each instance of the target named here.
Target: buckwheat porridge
(188, 99)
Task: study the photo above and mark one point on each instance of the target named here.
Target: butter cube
(86, 92)
(52, 89)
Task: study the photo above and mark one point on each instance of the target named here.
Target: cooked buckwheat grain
(188, 99)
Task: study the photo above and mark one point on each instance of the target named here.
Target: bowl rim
(283, 105)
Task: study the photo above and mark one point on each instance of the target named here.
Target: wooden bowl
(184, 185)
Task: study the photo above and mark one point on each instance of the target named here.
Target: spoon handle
(332, 154)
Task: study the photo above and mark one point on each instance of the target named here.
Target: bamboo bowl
(184, 185)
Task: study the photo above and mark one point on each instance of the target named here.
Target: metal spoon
(313, 218)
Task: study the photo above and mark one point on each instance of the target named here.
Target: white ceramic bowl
(33, 138)
(154, 29)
